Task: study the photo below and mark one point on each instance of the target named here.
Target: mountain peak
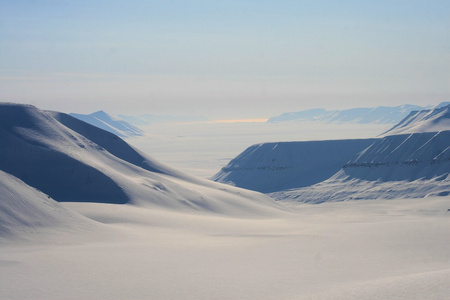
(103, 120)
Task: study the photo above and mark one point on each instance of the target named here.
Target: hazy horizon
(223, 59)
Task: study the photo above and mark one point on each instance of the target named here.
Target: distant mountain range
(109, 123)
(380, 114)
(415, 164)
(126, 126)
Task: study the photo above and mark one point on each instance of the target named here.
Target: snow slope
(271, 167)
(69, 166)
(399, 166)
(381, 115)
(104, 121)
(413, 165)
(23, 209)
(113, 144)
(383, 249)
(430, 120)
(403, 157)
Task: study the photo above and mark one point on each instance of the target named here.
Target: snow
(432, 120)
(393, 249)
(380, 114)
(271, 167)
(176, 236)
(403, 157)
(342, 187)
(400, 166)
(411, 165)
(109, 123)
(24, 209)
(69, 166)
(202, 149)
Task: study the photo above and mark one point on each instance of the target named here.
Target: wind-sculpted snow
(273, 167)
(342, 187)
(431, 120)
(23, 208)
(87, 164)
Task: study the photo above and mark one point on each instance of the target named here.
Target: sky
(223, 59)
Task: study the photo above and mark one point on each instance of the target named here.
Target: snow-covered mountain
(394, 166)
(430, 120)
(381, 114)
(399, 166)
(109, 123)
(403, 157)
(73, 161)
(271, 167)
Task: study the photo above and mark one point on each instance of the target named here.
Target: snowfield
(383, 249)
(83, 215)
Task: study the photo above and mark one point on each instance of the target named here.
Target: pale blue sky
(223, 59)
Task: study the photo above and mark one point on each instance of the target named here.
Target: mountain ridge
(109, 123)
(429, 120)
(67, 165)
(363, 115)
(413, 164)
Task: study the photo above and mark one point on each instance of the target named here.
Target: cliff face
(410, 160)
(403, 157)
(273, 167)
(400, 166)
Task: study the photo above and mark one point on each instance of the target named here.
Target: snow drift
(73, 161)
(23, 208)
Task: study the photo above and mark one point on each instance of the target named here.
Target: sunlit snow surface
(241, 246)
(383, 249)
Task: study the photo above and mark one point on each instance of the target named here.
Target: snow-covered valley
(84, 215)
